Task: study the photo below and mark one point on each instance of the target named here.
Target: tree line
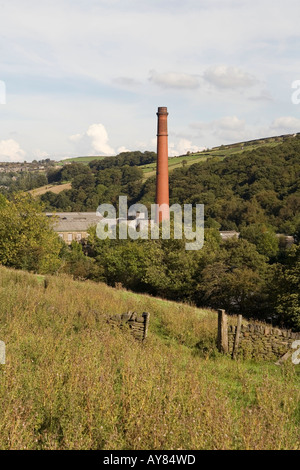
(255, 187)
(256, 193)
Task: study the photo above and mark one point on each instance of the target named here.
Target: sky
(85, 77)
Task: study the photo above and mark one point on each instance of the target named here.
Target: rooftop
(73, 221)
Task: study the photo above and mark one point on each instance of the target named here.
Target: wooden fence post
(237, 337)
(2, 352)
(222, 332)
(146, 316)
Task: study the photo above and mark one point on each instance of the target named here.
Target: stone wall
(261, 341)
(138, 325)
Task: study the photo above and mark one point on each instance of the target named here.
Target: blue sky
(86, 77)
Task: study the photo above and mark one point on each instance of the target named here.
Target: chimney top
(162, 110)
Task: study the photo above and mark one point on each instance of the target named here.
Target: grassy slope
(53, 188)
(71, 382)
(219, 153)
(150, 169)
(84, 160)
(175, 162)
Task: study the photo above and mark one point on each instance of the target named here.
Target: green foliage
(254, 187)
(231, 275)
(93, 187)
(27, 240)
(235, 279)
(259, 187)
(135, 158)
(75, 262)
(255, 193)
(263, 237)
(12, 182)
(3, 201)
(287, 289)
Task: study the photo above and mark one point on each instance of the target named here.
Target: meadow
(72, 382)
(84, 160)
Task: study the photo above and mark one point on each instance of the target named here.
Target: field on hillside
(84, 160)
(53, 188)
(176, 162)
(72, 382)
(220, 153)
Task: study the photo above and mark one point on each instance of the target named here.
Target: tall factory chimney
(162, 169)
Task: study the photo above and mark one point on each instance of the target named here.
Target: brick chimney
(162, 169)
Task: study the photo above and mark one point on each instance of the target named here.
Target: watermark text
(296, 94)
(187, 222)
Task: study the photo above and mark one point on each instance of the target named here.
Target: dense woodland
(254, 187)
(256, 192)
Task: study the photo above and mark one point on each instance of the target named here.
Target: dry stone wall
(261, 341)
(137, 324)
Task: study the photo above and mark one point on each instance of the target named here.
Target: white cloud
(40, 154)
(227, 129)
(123, 149)
(263, 95)
(230, 123)
(66, 56)
(11, 151)
(76, 137)
(174, 80)
(99, 136)
(231, 129)
(224, 123)
(93, 142)
(224, 76)
(285, 124)
(126, 82)
(182, 147)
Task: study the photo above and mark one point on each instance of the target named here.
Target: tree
(263, 237)
(235, 280)
(27, 240)
(286, 284)
(78, 264)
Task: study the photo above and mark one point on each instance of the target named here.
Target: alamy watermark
(296, 94)
(296, 354)
(2, 92)
(135, 223)
(2, 352)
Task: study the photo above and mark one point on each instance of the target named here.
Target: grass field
(72, 382)
(84, 160)
(219, 153)
(53, 188)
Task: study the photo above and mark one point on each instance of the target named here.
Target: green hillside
(84, 160)
(241, 184)
(218, 153)
(72, 382)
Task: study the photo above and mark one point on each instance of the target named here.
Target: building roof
(226, 234)
(73, 221)
(82, 221)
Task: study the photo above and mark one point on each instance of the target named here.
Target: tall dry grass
(71, 382)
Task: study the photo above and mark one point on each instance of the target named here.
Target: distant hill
(240, 184)
(219, 153)
(261, 184)
(190, 158)
(84, 160)
(54, 188)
